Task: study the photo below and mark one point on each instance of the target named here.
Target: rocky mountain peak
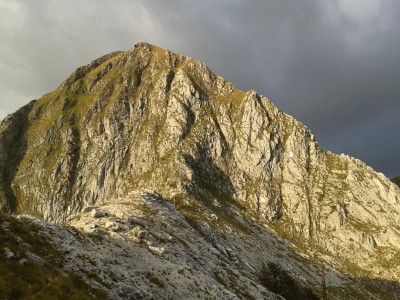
(149, 119)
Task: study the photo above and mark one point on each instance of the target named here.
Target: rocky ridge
(147, 118)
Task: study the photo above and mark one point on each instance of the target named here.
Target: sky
(334, 65)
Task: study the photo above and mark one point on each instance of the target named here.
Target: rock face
(147, 118)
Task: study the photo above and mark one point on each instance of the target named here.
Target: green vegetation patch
(278, 281)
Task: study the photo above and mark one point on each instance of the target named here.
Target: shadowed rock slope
(147, 119)
(396, 180)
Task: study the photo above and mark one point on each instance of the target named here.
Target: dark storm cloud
(334, 65)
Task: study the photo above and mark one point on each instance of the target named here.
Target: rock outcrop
(147, 118)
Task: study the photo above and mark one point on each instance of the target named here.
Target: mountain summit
(150, 122)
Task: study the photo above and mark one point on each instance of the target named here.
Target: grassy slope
(35, 280)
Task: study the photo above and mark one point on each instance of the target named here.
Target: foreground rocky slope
(118, 248)
(147, 118)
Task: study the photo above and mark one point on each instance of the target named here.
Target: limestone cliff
(147, 118)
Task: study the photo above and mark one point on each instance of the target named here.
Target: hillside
(141, 247)
(231, 170)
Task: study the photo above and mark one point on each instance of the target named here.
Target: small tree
(278, 281)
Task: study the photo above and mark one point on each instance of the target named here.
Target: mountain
(222, 180)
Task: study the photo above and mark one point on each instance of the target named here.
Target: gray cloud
(333, 65)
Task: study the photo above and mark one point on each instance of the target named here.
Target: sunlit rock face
(149, 119)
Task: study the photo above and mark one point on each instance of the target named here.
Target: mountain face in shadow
(229, 164)
(396, 180)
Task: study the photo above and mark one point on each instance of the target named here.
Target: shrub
(278, 281)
